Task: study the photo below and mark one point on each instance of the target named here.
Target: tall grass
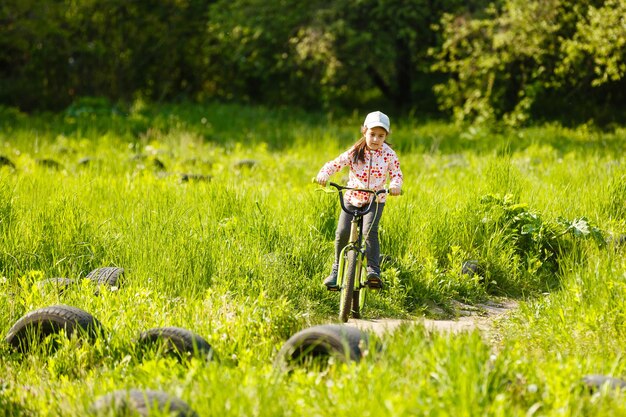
(239, 259)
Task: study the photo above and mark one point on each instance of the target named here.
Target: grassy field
(211, 212)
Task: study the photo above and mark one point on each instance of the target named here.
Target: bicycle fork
(353, 244)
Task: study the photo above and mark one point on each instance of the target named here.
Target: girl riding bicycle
(371, 161)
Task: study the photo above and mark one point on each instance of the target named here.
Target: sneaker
(331, 281)
(374, 282)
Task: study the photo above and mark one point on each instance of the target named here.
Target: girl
(370, 161)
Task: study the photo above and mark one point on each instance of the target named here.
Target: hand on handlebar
(321, 179)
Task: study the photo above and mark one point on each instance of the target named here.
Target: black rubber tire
(347, 289)
(178, 341)
(34, 326)
(57, 284)
(595, 382)
(356, 304)
(158, 165)
(322, 342)
(246, 163)
(49, 163)
(194, 178)
(135, 402)
(108, 275)
(471, 267)
(620, 240)
(4, 161)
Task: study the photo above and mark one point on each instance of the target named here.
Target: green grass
(239, 260)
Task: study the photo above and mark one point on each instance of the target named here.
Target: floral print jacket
(371, 174)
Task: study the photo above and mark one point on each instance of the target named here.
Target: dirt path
(479, 317)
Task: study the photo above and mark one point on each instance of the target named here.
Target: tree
(54, 51)
(320, 53)
(532, 58)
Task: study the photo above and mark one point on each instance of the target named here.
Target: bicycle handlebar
(357, 212)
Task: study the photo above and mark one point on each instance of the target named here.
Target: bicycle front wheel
(347, 289)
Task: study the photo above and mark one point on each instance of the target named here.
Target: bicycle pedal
(374, 283)
(374, 286)
(334, 288)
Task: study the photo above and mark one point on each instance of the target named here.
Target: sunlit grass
(238, 255)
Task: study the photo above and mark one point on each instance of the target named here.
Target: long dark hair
(358, 150)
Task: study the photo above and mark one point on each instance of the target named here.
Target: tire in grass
(58, 285)
(177, 342)
(194, 178)
(619, 240)
(36, 325)
(471, 267)
(110, 276)
(85, 162)
(135, 402)
(246, 163)
(49, 163)
(318, 344)
(6, 162)
(158, 165)
(596, 382)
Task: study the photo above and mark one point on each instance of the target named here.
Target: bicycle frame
(356, 244)
(351, 274)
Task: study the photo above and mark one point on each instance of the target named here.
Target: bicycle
(352, 272)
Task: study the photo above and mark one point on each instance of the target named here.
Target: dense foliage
(506, 60)
(536, 59)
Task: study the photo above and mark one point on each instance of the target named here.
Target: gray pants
(370, 224)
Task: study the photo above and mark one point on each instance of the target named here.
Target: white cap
(377, 119)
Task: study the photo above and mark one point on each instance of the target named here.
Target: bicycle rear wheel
(347, 289)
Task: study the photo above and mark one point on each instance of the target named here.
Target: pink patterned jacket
(371, 174)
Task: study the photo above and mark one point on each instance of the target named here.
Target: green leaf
(598, 237)
(529, 229)
(580, 227)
